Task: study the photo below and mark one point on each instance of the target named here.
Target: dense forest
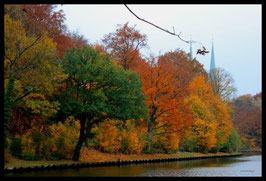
(62, 93)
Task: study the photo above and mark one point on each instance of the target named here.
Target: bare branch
(172, 33)
(24, 95)
(11, 62)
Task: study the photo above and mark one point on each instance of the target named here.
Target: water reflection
(234, 166)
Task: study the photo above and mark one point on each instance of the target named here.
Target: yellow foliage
(170, 141)
(27, 142)
(210, 114)
(68, 133)
(111, 139)
(108, 137)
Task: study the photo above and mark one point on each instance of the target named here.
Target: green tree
(97, 89)
(233, 142)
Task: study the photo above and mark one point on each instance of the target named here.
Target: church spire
(212, 58)
(191, 55)
(212, 67)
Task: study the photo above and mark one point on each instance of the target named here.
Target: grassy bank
(91, 155)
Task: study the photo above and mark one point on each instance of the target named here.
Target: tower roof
(212, 67)
(212, 59)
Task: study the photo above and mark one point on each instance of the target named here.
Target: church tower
(212, 67)
(191, 56)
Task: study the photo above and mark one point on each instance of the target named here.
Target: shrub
(37, 138)
(233, 142)
(188, 145)
(16, 146)
(63, 139)
(133, 138)
(7, 156)
(107, 136)
(28, 155)
(58, 141)
(167, 143)
(114, 136)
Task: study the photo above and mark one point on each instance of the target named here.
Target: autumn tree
(222, 83)
(188, 68)
(161, 84)
(125, 44)
(212, 124)
(38, 18)
(247, 118)
(67, 41)
(97, 89)
(30, 70)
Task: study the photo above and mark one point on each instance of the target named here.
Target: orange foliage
(133, 138)
(113, 136)
(170, 141)
(162, 85)
(125, 44)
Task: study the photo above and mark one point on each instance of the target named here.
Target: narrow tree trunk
(8, 102)
(150, 135)
(88, 131)
(150, 126)
(87, 142)
(81, 140)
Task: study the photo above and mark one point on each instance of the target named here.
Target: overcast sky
(235, 30)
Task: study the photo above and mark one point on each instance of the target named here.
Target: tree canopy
(97, 89)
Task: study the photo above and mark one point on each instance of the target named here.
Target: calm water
(236, 166)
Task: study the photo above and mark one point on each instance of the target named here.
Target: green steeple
(212, 58)
(212, 67)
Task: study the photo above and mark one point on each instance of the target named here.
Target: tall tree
(223, 83)
(125, 44)
(165, 85)
(29, 64)
(97, 89)
(212, 124)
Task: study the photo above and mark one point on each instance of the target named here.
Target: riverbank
(92, 155)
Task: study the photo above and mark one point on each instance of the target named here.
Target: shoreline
(153, 158)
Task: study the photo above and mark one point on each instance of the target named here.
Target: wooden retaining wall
(244, 151)
(109, 163)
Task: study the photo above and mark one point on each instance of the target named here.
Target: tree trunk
(150, 135)
(88, 131)
(8, 101)
(81, 140)
(150, 126)
(87, 142)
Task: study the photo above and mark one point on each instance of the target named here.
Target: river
(248, 165)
